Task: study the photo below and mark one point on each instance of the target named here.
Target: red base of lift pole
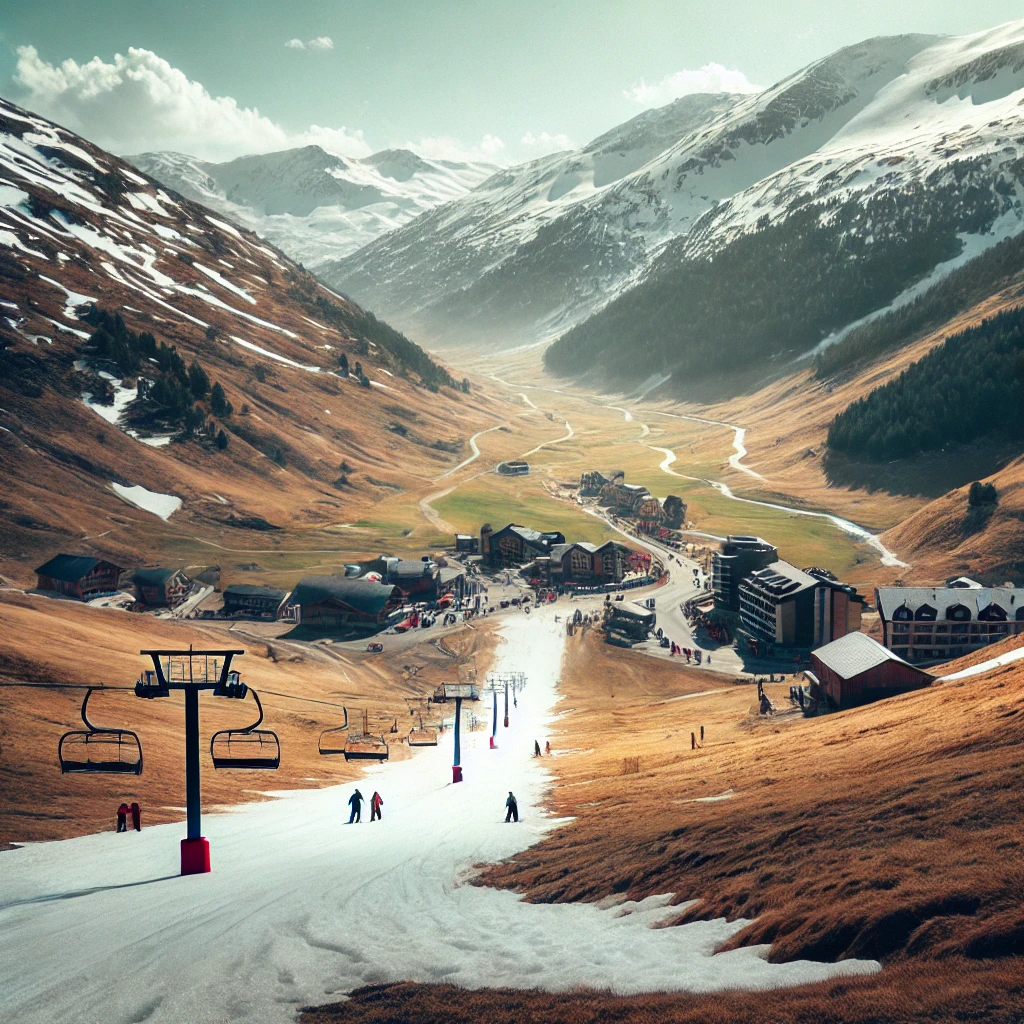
(195, 856)
(456, 773)
(494, 746)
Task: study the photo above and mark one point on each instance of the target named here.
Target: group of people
(355, 801)
(132, 809)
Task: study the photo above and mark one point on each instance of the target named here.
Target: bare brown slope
(88, 226)
(89, 645)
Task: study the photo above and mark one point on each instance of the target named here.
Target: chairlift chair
(422, 736)
(331, 740)
(250, 747)
(364, 747)
(98, 750)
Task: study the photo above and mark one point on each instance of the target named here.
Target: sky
(499, 81)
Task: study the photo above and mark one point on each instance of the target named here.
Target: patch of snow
(161, 505)
(224, 283)
(273, 355)
(12, 241)
(225, 227)
(123, 397)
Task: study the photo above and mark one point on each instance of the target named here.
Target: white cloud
(446, 147)
(544, 143)
(710, 78)
(140, 102)
(320, 43)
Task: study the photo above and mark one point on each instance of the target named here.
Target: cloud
(320, 43)
(544, 143)
(140, 102)
(445, 147)
(710, 78)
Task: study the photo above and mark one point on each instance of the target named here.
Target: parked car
(375, 647)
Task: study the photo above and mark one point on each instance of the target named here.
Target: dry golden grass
(891, 831)
(84, 645)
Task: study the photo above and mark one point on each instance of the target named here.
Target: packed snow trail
(301, 907)
(986, 666)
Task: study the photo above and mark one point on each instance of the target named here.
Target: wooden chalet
(342, 603)
(585, 564)
(855, 669)
(252, 602)
(161, 588)
(516, 544)
(80, 576)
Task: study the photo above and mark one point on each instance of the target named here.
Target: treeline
(169, 389)
(970, 386)
(366, 327)
(775, 292)
(956, 292)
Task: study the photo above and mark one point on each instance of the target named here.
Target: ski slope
(301, 907)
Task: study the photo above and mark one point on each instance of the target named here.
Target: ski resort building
(467, 543)
(855, 669)
(80, 576)
(586, 564)
(252, 601)
(739, 558)
(340, 603)
(418, 580)
(516, 544)
(161, 588)
(924, 624)
(789, 607)
(514, 468)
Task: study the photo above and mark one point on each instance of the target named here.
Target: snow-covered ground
(301, 907)
(162, 505)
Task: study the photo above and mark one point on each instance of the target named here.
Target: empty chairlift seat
(99, 750)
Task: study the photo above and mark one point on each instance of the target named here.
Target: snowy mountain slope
(80, 228)
(313, 204)
(538, 249)
(910, 184)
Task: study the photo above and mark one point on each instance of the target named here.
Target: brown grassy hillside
(307, 449)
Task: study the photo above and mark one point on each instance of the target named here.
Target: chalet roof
(154, 577)
(780, 579)
(365, 596)
(451, 572)
(558, 551)
(944, 598)
(855, 653)
(631, 611)
(410, 569)
(251, 590)
(69, 568)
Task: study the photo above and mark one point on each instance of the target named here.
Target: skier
(536, 749)
(122, 817)
(547, 747)
(355, 801)
(136, 817)
(375, 806)
(513, 808)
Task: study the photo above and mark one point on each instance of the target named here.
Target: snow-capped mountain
(313, 204)
(538, 249)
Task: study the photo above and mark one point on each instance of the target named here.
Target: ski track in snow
(986, 666)
(301, 907)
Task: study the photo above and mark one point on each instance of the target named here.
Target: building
(418, 580)
(938, 623)
(342, 603)
(516, 544)
(79, 576)
(628, 622)
(252, 602)
(856, 670)
(161, 588)
(790, 607)
(468, 543)
(739, 558)
(631, 501)
(514, 468)
(592, 483)
(584, 564)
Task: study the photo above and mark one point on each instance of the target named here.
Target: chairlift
(98, 750)
(331, 740)
(251, 747)
(364, 747)
(422, 736)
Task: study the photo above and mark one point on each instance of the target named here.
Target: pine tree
(219, 403)
(198, 381)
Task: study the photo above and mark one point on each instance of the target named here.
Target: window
(992, 613)
(959, 613)
(902, 614)
(926, 613)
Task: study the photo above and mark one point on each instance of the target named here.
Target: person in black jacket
(513, 807)
(355, 801)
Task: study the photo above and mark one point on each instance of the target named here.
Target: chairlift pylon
(99, 750)
(250, 747)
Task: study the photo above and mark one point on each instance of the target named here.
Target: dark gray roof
(366, 596)
(407, 568)
(250, 590)
(154, 577)
(69, 568)
(452, 572)
(944, 598)
(780, 579)
(855, 653)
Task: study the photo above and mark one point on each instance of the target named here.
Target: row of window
(956, 613)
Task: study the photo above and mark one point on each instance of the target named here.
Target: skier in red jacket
(375, 805)
(122, 817)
